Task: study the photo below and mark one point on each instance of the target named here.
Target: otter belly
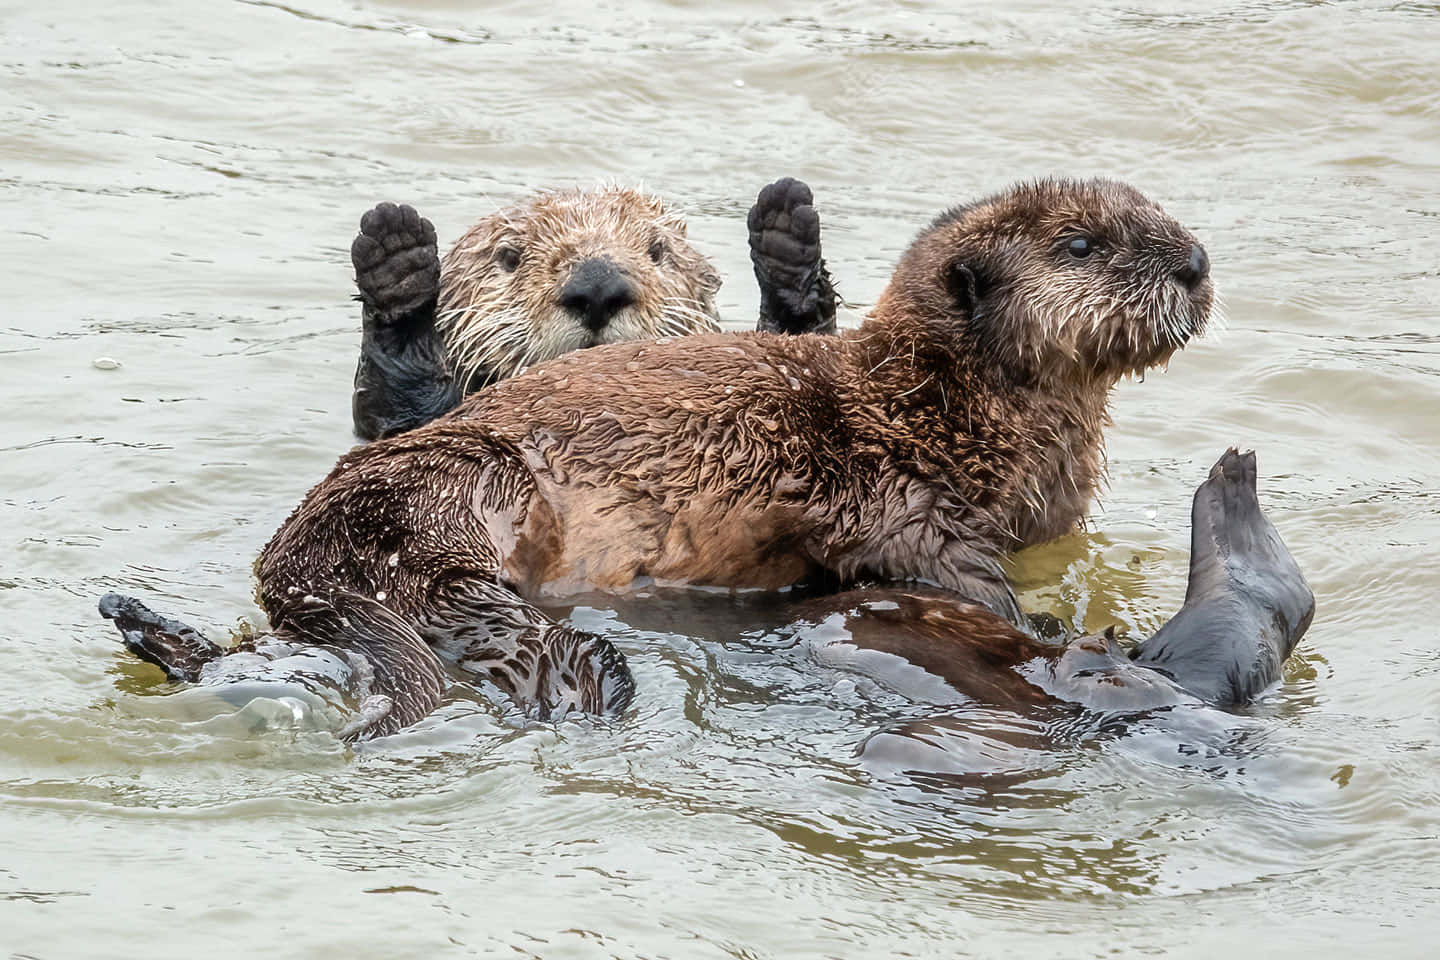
(574, 538)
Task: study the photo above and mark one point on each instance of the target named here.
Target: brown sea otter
(961, 421)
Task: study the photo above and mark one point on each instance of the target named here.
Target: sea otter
(961, 421)
(562, 271)
(1246, 607)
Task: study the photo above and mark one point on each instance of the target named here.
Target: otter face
(1078, 281)
(567, 270)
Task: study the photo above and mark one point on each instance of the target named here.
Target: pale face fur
(501, 285)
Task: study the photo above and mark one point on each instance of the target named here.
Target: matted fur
(962, 420)
(500, 285)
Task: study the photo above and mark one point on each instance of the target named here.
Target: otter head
(566, 270)
(1061, 281)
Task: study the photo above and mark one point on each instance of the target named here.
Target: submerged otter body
(961, 421)
(1246, 607)
(563, 271)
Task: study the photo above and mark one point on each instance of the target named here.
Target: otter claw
(796, 295)
(397, 264)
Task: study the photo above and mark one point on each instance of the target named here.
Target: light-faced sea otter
(561, 271)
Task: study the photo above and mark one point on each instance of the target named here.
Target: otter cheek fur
(962, 420)
(1052, 291)
(567, 270)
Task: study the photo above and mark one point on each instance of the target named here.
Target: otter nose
(1197, 269)
(596, 292)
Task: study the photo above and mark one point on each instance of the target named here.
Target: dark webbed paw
(403, 377)
(397, 265)
(796, 295)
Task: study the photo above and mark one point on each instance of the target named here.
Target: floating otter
(961, 421)
(562, 271)
(1246, 606)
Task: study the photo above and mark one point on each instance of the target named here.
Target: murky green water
(180, 183)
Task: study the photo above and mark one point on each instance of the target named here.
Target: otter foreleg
(547, 668)
(403, 379)
(796, 295)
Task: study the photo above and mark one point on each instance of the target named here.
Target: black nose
(596, 292)
(1197, 269)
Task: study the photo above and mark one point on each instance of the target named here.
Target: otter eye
(1080, 247)
(657, 251)
(508, 258)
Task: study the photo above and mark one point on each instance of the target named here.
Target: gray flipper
(1247, 604)
(548, 669)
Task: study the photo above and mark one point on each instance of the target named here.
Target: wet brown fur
(961, 421)
(499, 309)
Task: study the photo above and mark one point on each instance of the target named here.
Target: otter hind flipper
(1247, 603)
(1241, 541)
(177, 648)
(547, 668)
(399, 680)
(796, 294)
(403, 379)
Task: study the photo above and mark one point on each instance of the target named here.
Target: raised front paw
(397, 266)
(796, 295)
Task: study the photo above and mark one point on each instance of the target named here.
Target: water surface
(181, 183)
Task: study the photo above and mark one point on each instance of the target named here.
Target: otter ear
(963, 285)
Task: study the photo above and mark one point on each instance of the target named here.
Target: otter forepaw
(397, 265)
(796, 295)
